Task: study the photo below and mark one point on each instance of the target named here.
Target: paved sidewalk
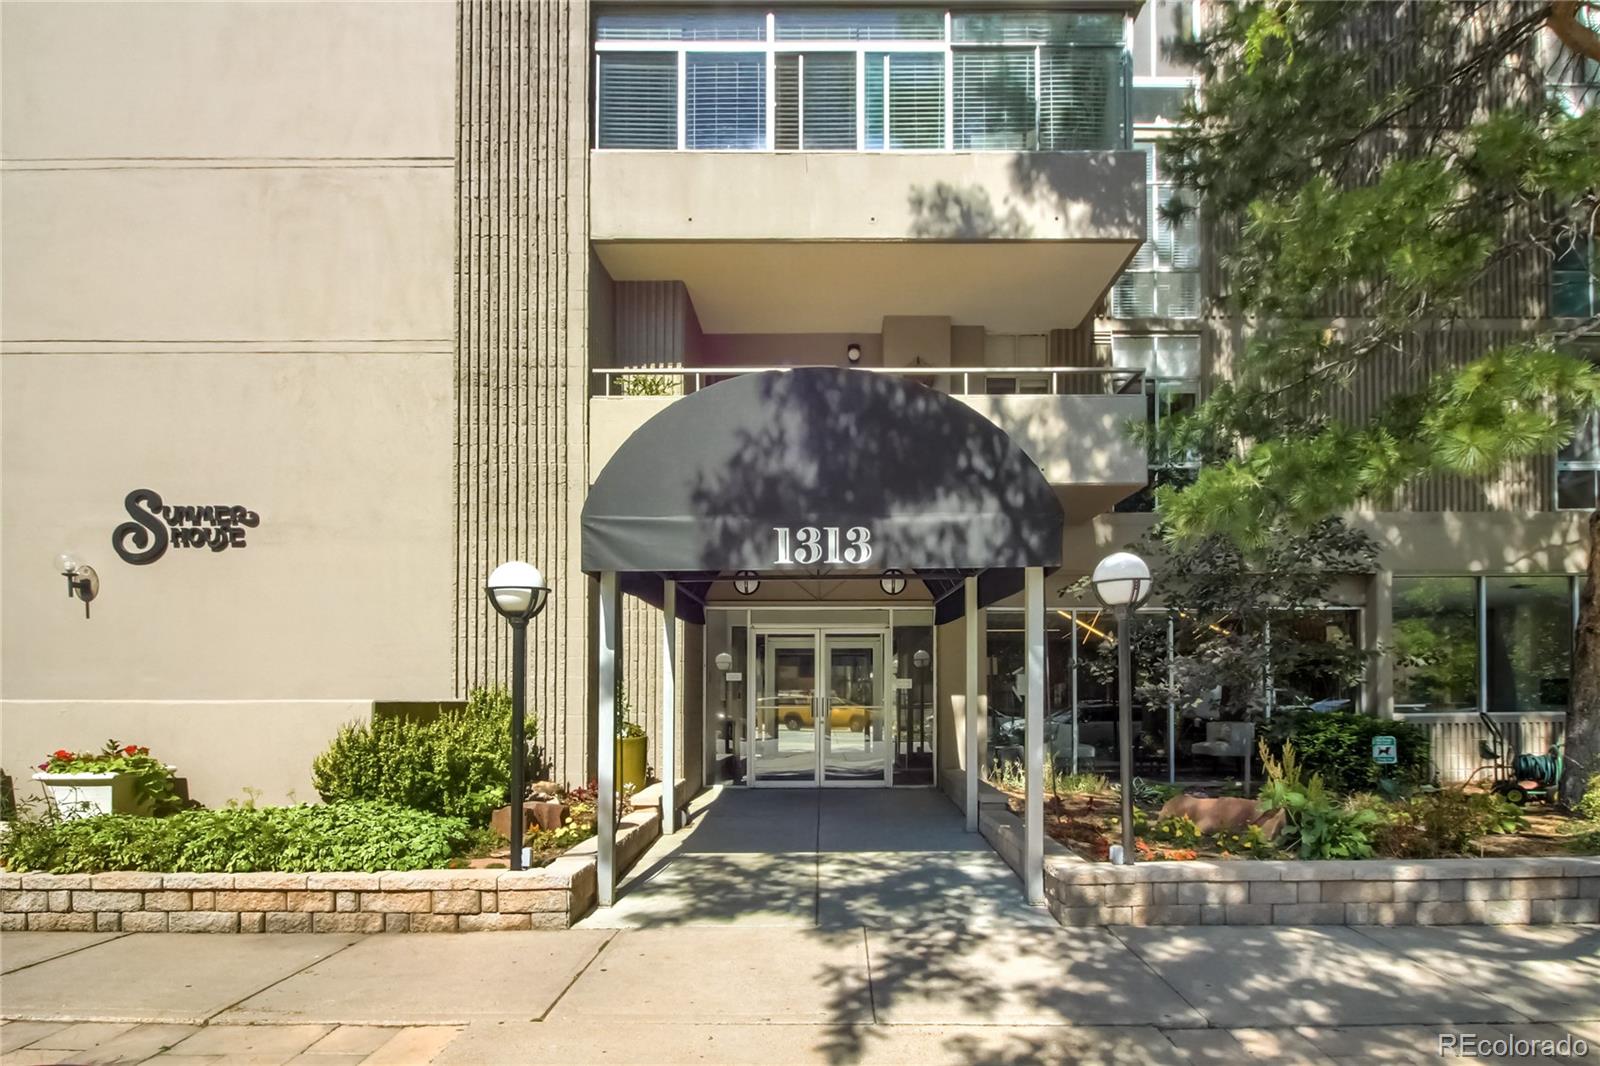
(778, 995)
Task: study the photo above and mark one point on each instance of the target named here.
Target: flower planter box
(86, 795)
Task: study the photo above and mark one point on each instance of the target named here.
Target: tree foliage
(1388, 158)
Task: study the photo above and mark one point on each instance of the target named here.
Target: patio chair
(1226, 740)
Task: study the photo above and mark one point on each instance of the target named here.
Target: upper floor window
(860, 79)
(1163, 281)
(1574, 292)
(1578, 469)
(1171, 365)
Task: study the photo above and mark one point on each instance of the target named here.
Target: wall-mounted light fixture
(745, 582)
(82, 581)
(853, 353)
(893, 582)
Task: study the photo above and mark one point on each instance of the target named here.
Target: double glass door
(817, 710)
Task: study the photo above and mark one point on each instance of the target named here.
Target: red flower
(44, 766)
(131, 749)
(142, 751)
(63, 753)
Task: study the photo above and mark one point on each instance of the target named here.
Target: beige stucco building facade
(373, 273)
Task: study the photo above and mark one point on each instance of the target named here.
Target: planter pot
(632, 756)
(86, 795)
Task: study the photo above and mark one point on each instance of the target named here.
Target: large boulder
(1213, 814)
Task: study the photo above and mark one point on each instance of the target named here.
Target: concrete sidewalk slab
(26, 949)
(1286, 976)
(679, 1044)
(708, 974)
(682, 888)
(427, 980)
(1545, 972)
(161, 977)
(910, 890)
(251, 1043)
(1022, 976)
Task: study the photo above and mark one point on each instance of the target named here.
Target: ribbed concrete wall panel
(521, 359)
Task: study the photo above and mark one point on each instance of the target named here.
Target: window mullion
(1483, 644)
(861, 98)
(683, 99)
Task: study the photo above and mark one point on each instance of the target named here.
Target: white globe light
(67, 563)
(1121, 579)
(517, 589)
(724, 661)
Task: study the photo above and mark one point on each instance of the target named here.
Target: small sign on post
(1385, 752)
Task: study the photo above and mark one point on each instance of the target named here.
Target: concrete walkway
(831, 859)
(872, 931)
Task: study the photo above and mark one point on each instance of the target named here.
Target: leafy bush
(1338, 746)
(1442, 822)
(1250, 840)
(340, 836)
(1589, 805)
(154, 782)
(1314, 822)
(458, 764)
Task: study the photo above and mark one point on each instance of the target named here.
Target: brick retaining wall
(1290, 892)
(419, 901)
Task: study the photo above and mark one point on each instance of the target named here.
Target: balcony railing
(955, 380)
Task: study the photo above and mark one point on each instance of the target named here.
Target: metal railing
(955, 380)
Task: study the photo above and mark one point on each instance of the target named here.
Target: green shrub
(340, 836)
(1338, 746)
(458, 764)
(1589, 805)
(1314, 822)
(1442, 822)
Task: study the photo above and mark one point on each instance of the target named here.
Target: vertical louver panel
(638, 100)
(994, 99)
(786, 102)
(725, 100)
(828, 103)
(1080, 99)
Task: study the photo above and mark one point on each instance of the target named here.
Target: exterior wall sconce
(745, 582)
(82, 581)
(853, 353)
(920, 659)
(893, 582)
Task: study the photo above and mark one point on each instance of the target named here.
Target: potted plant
(633, 748)
(118, 779)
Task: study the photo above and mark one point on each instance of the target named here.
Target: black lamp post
(1122, 582)
(518, 591)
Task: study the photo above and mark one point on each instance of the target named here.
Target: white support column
(669, 707)
(1033, 808)
(971, 746)
(608, 643)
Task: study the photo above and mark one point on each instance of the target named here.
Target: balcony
(1071, 421)
(805, 241)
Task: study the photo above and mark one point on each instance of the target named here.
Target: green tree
(1373, 169)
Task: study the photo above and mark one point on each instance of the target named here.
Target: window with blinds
(994, 99)
(859, 78)
(638, 95)
(913, 107)
(725, 100)
(1163, 279)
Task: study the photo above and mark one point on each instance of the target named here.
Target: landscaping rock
(541, 814)
(1210, 814)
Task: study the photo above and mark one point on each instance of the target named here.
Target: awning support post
(669, 706)
(608, 643)
(1034, 739)
(971, 746)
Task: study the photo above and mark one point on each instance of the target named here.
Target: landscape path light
(1121, 582)
(518, 591)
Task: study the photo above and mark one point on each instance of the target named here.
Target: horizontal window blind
(1163, 294)
(828, 102)
(725, 100)
(861, 24)
(1080, 99)
(994, 99)
(680, 26)
(915, 98)
(638, 100)
(786, 102)
(1038, 27)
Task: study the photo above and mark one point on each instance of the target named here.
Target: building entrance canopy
(820, 469)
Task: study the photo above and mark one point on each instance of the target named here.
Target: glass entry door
(817, 709)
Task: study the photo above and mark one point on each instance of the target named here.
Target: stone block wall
(418, 901)
(1290, 892)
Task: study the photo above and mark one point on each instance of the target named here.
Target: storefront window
(1528, 630)
(1313, 673)
(1435, 643)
